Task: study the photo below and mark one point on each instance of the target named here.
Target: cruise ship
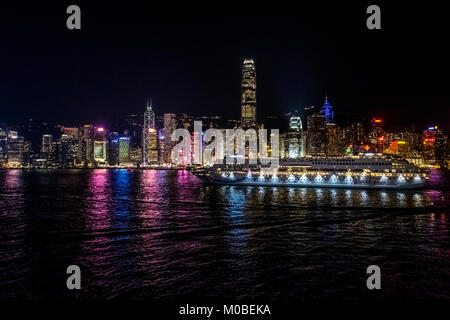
(365, 171)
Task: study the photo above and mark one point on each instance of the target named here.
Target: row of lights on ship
(319, 179)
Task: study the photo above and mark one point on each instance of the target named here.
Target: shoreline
(96, 168)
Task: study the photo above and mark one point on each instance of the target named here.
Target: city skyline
(144, 141)
(212, 160)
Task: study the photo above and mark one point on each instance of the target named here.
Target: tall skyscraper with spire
(327, 111)
(248, 94)
(149, 135)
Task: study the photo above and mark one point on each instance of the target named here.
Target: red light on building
(377, 122)
(381, 139)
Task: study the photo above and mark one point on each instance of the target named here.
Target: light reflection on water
(338, 197)
(160, 234)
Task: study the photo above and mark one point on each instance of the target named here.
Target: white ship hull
(314, 180)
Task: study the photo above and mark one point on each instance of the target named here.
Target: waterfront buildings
(70, 148)
(145, 139)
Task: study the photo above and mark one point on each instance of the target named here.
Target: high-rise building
(3, 147)
(440, 147)
(100, 134)
(428, 143)
(170, 124)
(16, 145)
(161, 146)
(327, 111)
(282, 145)
(399, 147)
(72, 132)
(317, 134)
(248, 94)
(88, 144)
(150, 138)
(46, 147)
(112, 149)
(133, 129)
(413, 143)
(353, 136)
(62, 151)
(434, 145)
(100, 152)
(294, 139)
(124, 151)
(334, 146)
(77, 143)
(377, 134)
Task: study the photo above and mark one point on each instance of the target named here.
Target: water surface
(162, 235)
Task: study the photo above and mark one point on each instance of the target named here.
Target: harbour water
(163, 236)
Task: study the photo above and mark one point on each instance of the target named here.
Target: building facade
(294, 142)
(170, 124)
(248, 94)
(150, 138)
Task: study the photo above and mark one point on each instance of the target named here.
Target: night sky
(189, 58)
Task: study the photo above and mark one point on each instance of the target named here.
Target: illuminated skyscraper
(16, 150)
(78, 143)
(112, 149)
(170, 124)
(434, 145)
(294, 139)
(317, 134)
(3, 147)
(149, 136)
(327, 111)
(72, 132)
(248, 94)
(100, 134)
(62, 151)
(46, 148)
(399, 147)
(124, 151)
(88, 144)
(334, 144)
(100, 152)
(353, 136)
(377, 134)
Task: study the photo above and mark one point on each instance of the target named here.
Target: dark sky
(188, 59)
